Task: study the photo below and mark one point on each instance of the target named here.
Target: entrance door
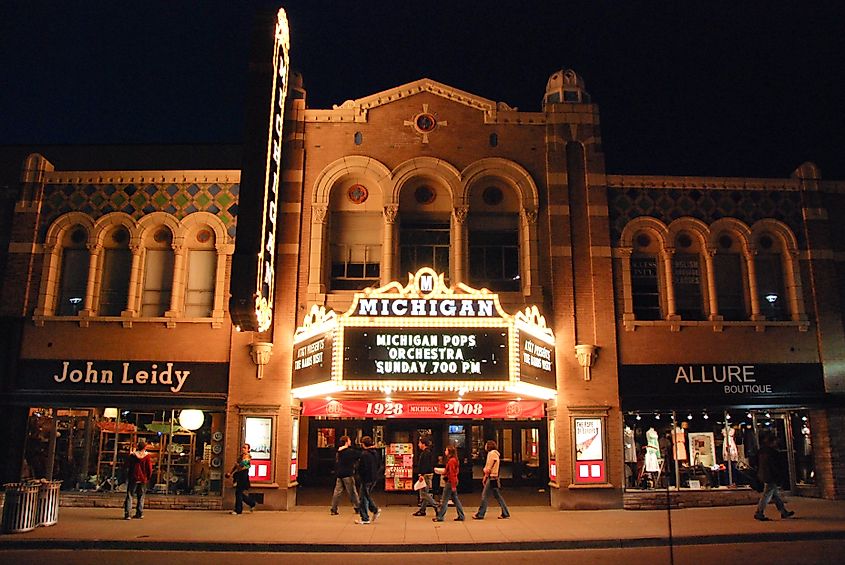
(777, 425)
(520, 449)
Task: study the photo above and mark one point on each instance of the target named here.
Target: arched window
(768, 266)
(201, 274)
(687, 277)
(355, 237)
(158, 273)
(73, 272)
(645, 288)
(117, 264)
(730, 277)
(494, 257)
(425, 228)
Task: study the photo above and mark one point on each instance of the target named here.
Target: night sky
(705, 88)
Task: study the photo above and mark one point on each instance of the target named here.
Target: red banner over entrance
(424, 409)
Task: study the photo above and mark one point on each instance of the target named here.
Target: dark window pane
(74, 278)
(770, 286)
(729, 286)
(114, 291)
(686, 276)
(644, 287)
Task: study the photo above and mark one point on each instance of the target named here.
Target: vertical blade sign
(251, 304)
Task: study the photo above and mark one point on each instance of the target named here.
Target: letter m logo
(426, 283)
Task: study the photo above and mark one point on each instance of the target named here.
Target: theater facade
(440, 265)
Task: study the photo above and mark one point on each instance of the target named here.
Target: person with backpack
(346, 459)
(450, 488)
(491, 483)
(139, 467)
(368, 472)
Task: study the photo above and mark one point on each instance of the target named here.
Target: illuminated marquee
(252, 305)
(424, 336)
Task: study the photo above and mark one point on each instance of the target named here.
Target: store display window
(713, 448)
(87, 448)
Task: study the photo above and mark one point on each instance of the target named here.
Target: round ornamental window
(79, 236)
(766, 242)
(203, 235)
(424, 195)
(726, 241)
(162, 236)
(425, 122)
(684, 241)
(357, 193)
(120, 236)
(492, 196)
(643, 240)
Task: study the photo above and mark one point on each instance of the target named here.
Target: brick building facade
(689, 315)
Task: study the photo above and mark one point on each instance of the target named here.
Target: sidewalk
(311, 529)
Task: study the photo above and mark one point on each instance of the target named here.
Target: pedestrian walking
(344, 471)
(767, 472)
(368, 473)
(240, 476)
(139, 467)
(425, 470)
(450, 487)
(491, 483)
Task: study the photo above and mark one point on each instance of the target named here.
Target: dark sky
(698, 88)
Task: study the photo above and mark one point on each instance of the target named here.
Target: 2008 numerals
(384, 408)
(463, 409)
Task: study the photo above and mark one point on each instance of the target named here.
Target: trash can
(20, 507)
(48, 502)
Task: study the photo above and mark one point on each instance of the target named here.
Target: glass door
(777, 425)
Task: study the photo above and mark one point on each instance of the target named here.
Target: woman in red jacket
(450, 486)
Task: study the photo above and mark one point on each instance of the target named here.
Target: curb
(270, 547)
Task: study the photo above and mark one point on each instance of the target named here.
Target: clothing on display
(679, 442)
(729, 450)
(630, 445)
(652, 451)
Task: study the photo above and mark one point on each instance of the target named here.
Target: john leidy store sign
(123, 376)
(730, 383)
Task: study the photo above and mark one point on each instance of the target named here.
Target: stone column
(93, 261)
(752, 284)
(134, 276)
(530, 268)
(391, 213)
(178, 290)
(667, 254)
(316, 284)
(713, 299)
(460, 243)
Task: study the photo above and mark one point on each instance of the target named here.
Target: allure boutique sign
(731, 383)
(146, 377)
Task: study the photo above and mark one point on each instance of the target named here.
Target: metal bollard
(20, 507)
(48, 502)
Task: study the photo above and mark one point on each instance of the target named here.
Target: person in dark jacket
(425, 469)
(344, 470)
(767, 472)
(368, 473)
(450, 488)
(240, 475)
(139, 467)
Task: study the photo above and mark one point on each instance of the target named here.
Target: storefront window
(712, 449)
(87, 448)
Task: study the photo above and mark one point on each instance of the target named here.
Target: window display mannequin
(729, 450)
(652, 452)
(679, 442)
(630, 447)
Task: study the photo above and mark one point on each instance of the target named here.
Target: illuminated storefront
(426, 359)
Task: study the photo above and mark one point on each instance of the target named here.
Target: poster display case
(399, 467)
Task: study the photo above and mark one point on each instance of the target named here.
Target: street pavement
(311, 530)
